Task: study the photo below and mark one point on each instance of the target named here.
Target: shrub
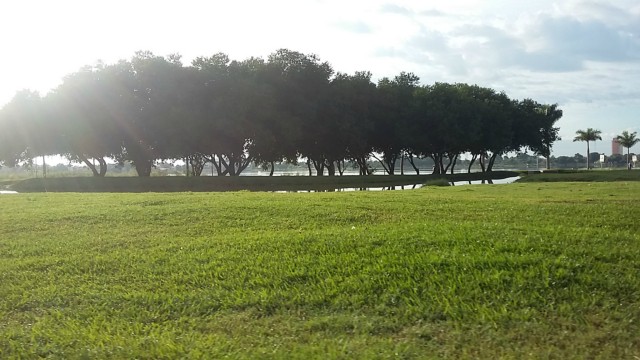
(437, 182)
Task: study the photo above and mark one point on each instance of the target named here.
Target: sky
(581, 54)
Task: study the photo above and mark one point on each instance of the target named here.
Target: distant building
(616, 147)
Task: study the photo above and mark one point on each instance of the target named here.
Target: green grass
(487, 271)
(227, 183)
(581, 175)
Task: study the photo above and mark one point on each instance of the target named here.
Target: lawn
(599, 175)
(535, 270)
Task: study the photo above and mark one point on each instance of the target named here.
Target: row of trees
(288, 107)
(626, 139)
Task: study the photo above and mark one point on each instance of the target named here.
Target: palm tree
(588, 135)
(628, 140)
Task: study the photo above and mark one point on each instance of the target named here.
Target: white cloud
(396, 9)
(359, 27)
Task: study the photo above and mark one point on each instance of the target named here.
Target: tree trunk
(273, 167)
(331, 168)
(319, 166)
(548, 167)
(436, 164)
(391, 163)
(103, 167)
(216, 161)
(473, 160)
(413, 164)
(363, 165)
(89, 164)
(197, 162)
(446, 168)
(243, 164)
(231, 166)
(588, 167)
(341, 167)
(143, 167)
(492, 160)
(384, 165)
(439, 168)
(453, 165)
(402, 163)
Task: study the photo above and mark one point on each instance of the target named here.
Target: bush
(437, 182)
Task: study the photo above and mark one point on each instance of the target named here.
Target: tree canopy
(287, 107)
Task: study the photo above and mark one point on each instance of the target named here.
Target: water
(386, 188)
(498, 181)
(411, 187)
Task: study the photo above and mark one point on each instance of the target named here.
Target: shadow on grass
(250, 183)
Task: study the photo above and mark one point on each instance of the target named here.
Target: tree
(84, 110)
(151, 99)
(353, 105)
(198, 109)
(545, 134)
(628, 140)
(579, 159)
(395, 110)
(303, 87)
(232, 113)
(291, 106)
(245, 111)
(27, 131)
(15, 127)
(445, 120)
(588, 135)
(493, 130)
(615, 160)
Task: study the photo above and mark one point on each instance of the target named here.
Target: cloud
(491, 47)
(548, 43)
(433, 13)
(396, 9)
(604, 13)
(586, 40)
(429, 40)
(357, 27)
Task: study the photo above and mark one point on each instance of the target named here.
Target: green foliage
(438, 182)
(290, 106)
(509, 271)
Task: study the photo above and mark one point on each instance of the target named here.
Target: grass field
(582, 175)
(538, 270)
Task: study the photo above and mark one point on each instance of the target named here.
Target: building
(616, 147)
